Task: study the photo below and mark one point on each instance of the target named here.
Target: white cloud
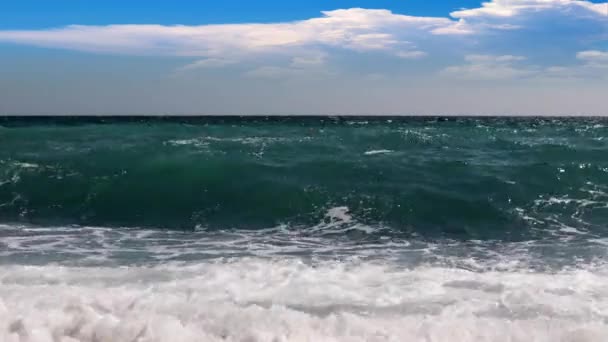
(490, 67)
(309, 64)
(511, 8)
(355, 29)
(594, 57)
(371, 41)
(593, 64)
(490, 59)
(288, 73)
(298, 44)
(411, 54)
(314, 59)
(273, 72)
(577, 20)
(208, 63)
(460, 27)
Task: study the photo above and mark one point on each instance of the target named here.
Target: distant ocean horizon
(303, 228)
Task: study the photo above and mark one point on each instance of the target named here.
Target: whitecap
(374, 152)
(340, 214)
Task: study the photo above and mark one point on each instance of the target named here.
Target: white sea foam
(26, 165)
(338, 237)
(374, 152)
(252, 299)
(186, 142)
(340, 214)
(206, 140)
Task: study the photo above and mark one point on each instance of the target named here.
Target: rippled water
(303, 229)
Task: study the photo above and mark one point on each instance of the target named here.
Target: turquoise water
(339, 228)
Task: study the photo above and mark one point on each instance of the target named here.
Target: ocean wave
(505, 179)
(313, 230)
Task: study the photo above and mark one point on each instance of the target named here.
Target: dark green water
(509, 179)
(303, 229)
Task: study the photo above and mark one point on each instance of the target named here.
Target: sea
(271, 229)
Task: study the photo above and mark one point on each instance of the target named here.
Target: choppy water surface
(304, 230)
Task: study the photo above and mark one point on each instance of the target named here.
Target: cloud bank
(356, 30)
(352, 29)
(505, 56)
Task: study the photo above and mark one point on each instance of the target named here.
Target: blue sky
(42, 13)
(530, 57)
